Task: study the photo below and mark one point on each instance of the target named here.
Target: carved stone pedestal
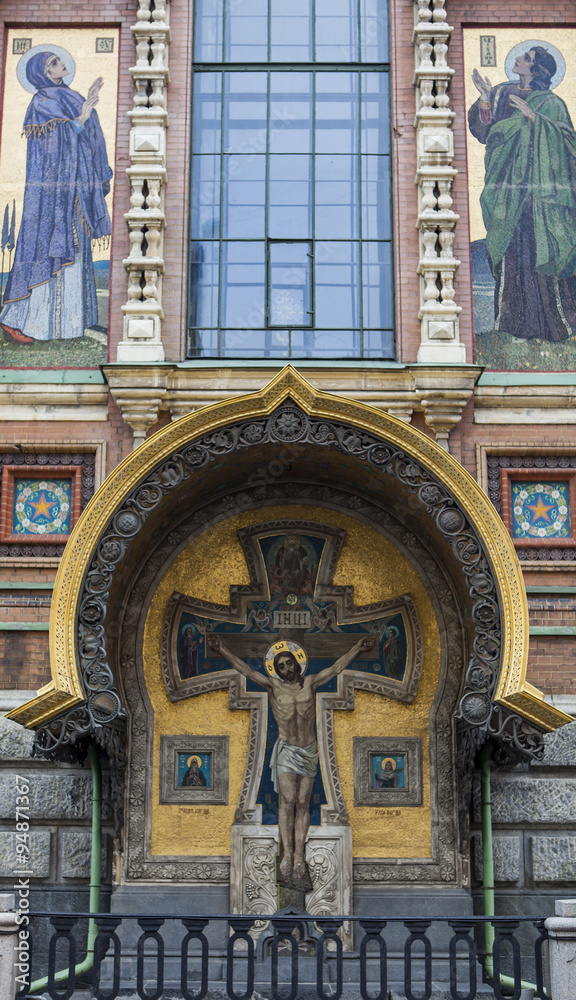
(329, 857)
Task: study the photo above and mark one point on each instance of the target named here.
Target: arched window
(290, 249)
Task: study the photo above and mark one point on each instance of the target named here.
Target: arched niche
(269, 455)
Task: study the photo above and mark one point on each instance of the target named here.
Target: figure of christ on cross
(295, 756)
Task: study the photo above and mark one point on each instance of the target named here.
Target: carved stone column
(438, 314)
(142, 340)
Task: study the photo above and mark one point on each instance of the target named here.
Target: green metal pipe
(488, 869)
(95, 866)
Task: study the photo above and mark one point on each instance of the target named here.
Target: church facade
(288, 453)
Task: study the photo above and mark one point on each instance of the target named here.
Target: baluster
(439, 13)
(442, 99)
(417, 935)
(373, 935)
(136, 236)
(428, 195)
(431, 292)
(429, 239)
(540, 941)
(462, 929)
(143, 13)
(140, 93)
(158, 96)
(447, 293)
(195, 927)
(106, 936)
(159, 12)
(440, 51)
(158, 47)
(446, 239)
(284, 934)
(331, 928)
(240, 927)
(426, 95)
(62, 932)
(424, 12)
(143, 53)
(134, 286)
(445, 197)
(137, 196)
(150, 927)
(153, 236)
(425, 49)
(505, 934)
(153, 201)
(150, 290)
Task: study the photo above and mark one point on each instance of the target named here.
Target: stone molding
(525, 404)
(34, 401)
(441, 394)
(142, 336)
(439, 313)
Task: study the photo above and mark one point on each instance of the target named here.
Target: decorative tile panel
(540, 510)
(37, 507)
(536, 498)
(42, 495)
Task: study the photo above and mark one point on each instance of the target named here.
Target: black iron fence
(284, 956)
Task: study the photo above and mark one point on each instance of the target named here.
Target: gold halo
(385, 761)
(285, 646)
(292, 538)
(194, 757)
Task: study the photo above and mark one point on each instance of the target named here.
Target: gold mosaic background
(205, 570)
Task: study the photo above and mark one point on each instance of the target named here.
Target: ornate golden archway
(133, 497)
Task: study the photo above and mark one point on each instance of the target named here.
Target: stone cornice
(525, 404)
(440, 392)
(24, 401)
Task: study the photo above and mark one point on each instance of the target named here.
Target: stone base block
(253, 865)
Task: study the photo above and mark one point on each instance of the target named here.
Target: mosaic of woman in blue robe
(51, 289)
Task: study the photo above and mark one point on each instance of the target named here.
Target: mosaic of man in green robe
(529, 199)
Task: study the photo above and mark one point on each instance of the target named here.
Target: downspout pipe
(95, 866)
(488, 870)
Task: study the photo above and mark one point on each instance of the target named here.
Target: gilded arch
(289, 412)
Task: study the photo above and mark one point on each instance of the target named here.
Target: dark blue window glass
(290, 207)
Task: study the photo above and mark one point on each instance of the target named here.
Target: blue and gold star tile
(540, 510)
(42, 506)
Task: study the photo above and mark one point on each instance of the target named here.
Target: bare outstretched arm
(363, 645)
(221, 650)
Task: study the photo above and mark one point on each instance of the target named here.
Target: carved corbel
(139, 408)
(442, 411)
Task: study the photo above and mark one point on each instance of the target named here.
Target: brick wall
(24, 660)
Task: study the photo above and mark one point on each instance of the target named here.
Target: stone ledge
(440, 392)
(53, 401)
(519, 404)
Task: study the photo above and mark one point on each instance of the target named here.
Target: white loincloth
(287, 759)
